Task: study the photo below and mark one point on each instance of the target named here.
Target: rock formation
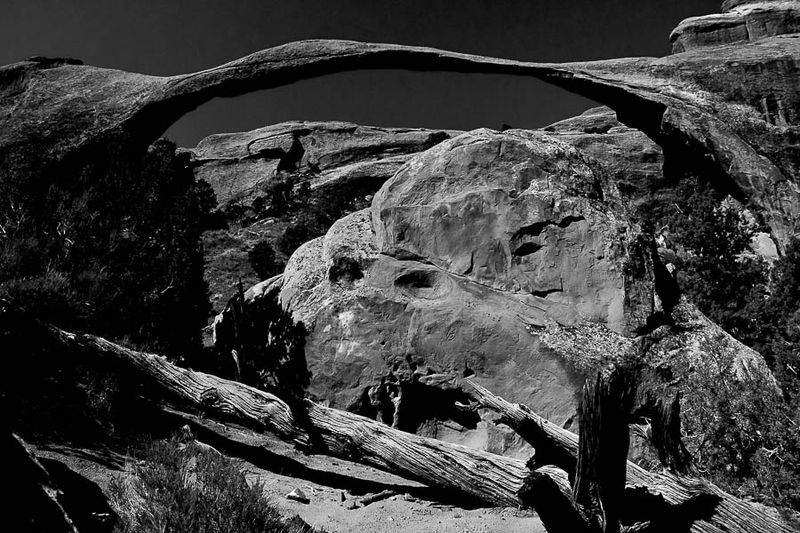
(516, 256)
(731, 110)
(512, 256)
(518, 213)
(632, 164)
(239, 165)
(741, 21)
(509, 256)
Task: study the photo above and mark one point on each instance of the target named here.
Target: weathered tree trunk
(690, 504)
(553, 502)
(603, 444)
(490, 478)
(664, 413)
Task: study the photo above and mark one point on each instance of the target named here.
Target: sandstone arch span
(705, 102)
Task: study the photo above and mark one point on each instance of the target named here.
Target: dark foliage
(716, 270)
(279, 194)
(743, 432)
(210, 217)
(264, 260)
(715, 267)
(316, 212)
(185, 488)
(113, 249)
(266, 346)
(779, 322)
(309, 215)
(47, 392)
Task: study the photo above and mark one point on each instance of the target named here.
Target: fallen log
(730, 514)
(488, 477)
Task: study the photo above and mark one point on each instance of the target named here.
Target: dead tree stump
(600, 477)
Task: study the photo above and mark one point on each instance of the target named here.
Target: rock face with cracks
(518, 213)
(741, 21)
(494, 255)
(328, 154)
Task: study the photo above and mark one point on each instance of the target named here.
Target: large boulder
(239, 166)
(493, 255)
(520, 213)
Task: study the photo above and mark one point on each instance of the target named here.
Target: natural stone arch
(54, 109)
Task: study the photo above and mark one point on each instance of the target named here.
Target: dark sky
(175, 36)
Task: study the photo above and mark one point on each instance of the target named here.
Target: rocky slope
(349, 161)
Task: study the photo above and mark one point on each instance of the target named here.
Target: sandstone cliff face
(741, 21)
(327, 154)
(498, 255)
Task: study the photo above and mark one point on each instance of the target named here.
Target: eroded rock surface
(520, 213)
(628, 163)
(741, 21)
(425, 287)
(239, 165)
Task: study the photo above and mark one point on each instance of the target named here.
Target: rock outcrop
(326, 154)
(498, 255)
(732, 110)
(630, 164)
(519, 213)
(741, 21)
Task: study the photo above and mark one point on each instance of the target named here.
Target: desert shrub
(778, 337)
(316, 212)
(744, 435)
(307, 225)
(51, 294)
(46, 390)
(279, 195)
(112, 247)
(269, 345)
(183, 488)
(758, 305)
(211, 217)
(715, 267)
(264, 261)
(743, 431)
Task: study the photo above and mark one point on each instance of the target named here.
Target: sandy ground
(332, 509)
(334, 488)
